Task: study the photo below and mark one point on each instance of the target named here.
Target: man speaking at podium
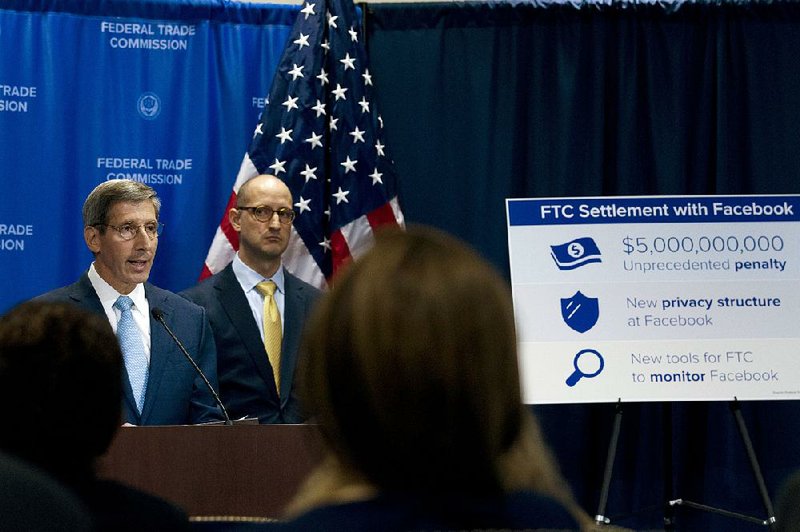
(160, 386)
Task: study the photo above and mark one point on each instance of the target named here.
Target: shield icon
(580, 312)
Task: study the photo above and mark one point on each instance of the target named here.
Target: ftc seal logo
(580, 312)
(149, 105)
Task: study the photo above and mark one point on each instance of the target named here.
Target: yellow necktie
(272, 329)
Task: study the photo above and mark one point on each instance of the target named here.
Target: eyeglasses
(263, 213)
(129, 231)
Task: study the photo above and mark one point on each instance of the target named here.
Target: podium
(239, 470)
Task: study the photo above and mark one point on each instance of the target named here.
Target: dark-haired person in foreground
(60, 370)
(160, 386)
(410, 369)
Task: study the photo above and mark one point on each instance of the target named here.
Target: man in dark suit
(256, 380)
(160, 387)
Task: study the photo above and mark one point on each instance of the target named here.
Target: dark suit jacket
(176, 394)
(247, 386)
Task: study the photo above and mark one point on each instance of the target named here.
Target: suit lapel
(160, 348)
(83, 294)
(294, 309)
(129, 404)
(232, 298)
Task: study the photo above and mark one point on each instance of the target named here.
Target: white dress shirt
(140, 309)
(248, 279)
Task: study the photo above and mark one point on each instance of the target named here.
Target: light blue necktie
(130, 340)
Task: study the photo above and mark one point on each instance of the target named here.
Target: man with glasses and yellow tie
(160, 386)
(257, 309)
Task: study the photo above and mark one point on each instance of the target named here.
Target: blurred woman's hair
(411, 371)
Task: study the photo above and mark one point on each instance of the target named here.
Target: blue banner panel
(164, 93)
(654, 209)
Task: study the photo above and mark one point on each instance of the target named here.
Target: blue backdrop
(160, 92)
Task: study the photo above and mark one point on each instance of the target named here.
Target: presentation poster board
(658, 298)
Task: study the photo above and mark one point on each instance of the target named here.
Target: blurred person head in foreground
(411, 372)
(61, 377)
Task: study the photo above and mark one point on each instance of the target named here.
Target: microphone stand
(159, 316)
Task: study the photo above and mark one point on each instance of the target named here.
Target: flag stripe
(359, 237)
(341, 251)
(247, 170)
(383, 215)
(220, 254)
(298, 261)
(227, 229)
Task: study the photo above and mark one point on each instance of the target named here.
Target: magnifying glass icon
(588, 363)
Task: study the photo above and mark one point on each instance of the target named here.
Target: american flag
(320, 132)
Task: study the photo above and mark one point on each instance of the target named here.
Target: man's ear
(91, 235)
(234, 215)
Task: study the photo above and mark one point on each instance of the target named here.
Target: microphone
(158, 314)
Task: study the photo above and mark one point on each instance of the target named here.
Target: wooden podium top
(239, 470)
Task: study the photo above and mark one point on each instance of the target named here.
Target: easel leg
(666, 425)
(600, 518)
(751, 455)
(762, 488)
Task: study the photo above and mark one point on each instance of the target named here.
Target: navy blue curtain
(483, 102)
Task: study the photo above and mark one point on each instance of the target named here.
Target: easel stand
(600, 517)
